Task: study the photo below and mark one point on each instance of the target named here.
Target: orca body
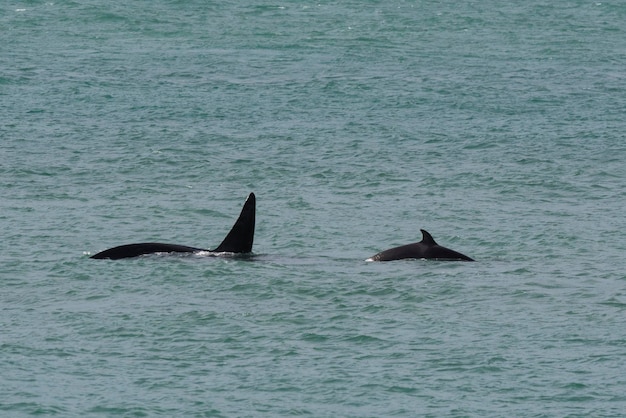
(239, 240)
(426, 248)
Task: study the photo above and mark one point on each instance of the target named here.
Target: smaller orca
(426, 248)
(238, 240)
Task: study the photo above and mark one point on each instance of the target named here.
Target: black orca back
(239, 239)
(426, 248)
(135, 250)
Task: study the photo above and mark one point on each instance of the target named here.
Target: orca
(426, 248)
(239, 240)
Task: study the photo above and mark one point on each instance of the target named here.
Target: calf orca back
(426, 248)
(238, 240)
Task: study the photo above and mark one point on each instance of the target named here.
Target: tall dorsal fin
(427, 238)
(241, 236)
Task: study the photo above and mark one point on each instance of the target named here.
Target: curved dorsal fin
(427, 238)
(241, 236)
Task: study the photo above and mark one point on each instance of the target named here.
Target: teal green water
(497, 127)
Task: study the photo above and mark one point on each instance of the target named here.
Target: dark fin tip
(427, 238)
(241, 236)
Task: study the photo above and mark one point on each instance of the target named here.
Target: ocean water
(498, 127)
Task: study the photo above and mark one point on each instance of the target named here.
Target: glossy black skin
(426, 248)
(238, 240)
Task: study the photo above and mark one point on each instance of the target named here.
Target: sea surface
(499, 127)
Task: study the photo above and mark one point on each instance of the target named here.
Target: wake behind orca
(239, 240)
(426, 248)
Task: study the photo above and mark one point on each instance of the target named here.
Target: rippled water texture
(499, 128)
